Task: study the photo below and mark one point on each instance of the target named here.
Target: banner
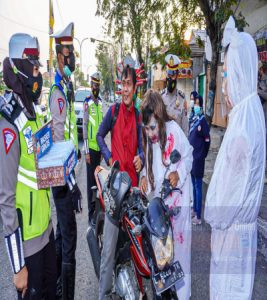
(185, 69)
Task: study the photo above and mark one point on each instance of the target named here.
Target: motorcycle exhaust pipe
(94, 250)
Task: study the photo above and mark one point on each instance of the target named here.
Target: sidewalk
(217, 134)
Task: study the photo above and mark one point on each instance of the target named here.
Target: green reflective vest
(70, 126)
(33, 205)
(95, 113)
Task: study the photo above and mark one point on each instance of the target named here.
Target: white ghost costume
(235, 191)
(181, 224)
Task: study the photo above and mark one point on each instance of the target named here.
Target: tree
(133, 18)
(105, 65)
(214, 13)
(170, 34)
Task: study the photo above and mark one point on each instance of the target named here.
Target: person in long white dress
(161, 135)
(235, 191)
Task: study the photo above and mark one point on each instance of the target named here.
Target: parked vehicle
(80, 94)
(144, 261)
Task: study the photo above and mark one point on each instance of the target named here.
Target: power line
(26, 26)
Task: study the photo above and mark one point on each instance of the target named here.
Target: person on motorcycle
(124, 123)
(161, 135)
(123, 120)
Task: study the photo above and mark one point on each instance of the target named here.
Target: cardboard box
(54, 160)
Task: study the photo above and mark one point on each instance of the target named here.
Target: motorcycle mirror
(175, 156)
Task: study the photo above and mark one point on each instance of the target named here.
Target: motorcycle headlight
(163, 250)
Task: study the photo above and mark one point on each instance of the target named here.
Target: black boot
(68, 281)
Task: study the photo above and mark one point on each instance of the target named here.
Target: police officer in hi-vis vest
(173, 98)
(67, 198)
(24, 209)
(92, 118)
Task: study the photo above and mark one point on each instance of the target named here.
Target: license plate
(167, 278)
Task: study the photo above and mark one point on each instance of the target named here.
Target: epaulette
(11, 110)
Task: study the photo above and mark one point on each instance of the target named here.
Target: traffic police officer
(24, 209)
(173, 98)
(92, 117)
(67, 198)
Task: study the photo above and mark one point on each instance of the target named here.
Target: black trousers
(95, 157)
(42, 273)
(66, 234)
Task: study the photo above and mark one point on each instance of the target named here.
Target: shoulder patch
(27, 132)
(9, 137)
(61, 104)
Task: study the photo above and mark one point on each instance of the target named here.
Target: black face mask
(71, 63)
(34, 87)
(95, 92)
(171, 84)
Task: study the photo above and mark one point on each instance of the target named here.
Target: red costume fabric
(124, 141)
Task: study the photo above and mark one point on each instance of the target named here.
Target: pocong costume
(235, 191)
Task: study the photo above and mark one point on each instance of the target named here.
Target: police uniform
(92, 118)
(175, 101)
(61, 111)
(25, 210)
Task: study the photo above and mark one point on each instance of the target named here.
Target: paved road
(86, 282)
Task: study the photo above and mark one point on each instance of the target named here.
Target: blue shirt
(199, 138)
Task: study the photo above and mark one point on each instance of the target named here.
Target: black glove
(76, 197)
(70, 92)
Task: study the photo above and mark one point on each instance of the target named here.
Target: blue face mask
(67, 71)
(197, 110)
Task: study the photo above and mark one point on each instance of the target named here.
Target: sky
(31, 16)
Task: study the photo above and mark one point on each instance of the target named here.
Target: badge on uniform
(199, 128)
(61, 104)
(27, 132)
(93, 110)
(9, 138)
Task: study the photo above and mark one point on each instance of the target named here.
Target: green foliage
(105, 66)
(79, 78)
(135, 19)
(2, 84)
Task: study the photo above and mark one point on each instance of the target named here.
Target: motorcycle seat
(102, 177)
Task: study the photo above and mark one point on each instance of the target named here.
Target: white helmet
(24, 46)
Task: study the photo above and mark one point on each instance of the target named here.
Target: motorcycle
(144, 260)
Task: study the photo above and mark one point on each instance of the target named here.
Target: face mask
(95, 92)
(197, 110)
(67, 71)
(192, 103)
(171, 84)
(71, 63)
(34, 87)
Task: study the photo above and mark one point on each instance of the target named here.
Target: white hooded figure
(235, 191)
